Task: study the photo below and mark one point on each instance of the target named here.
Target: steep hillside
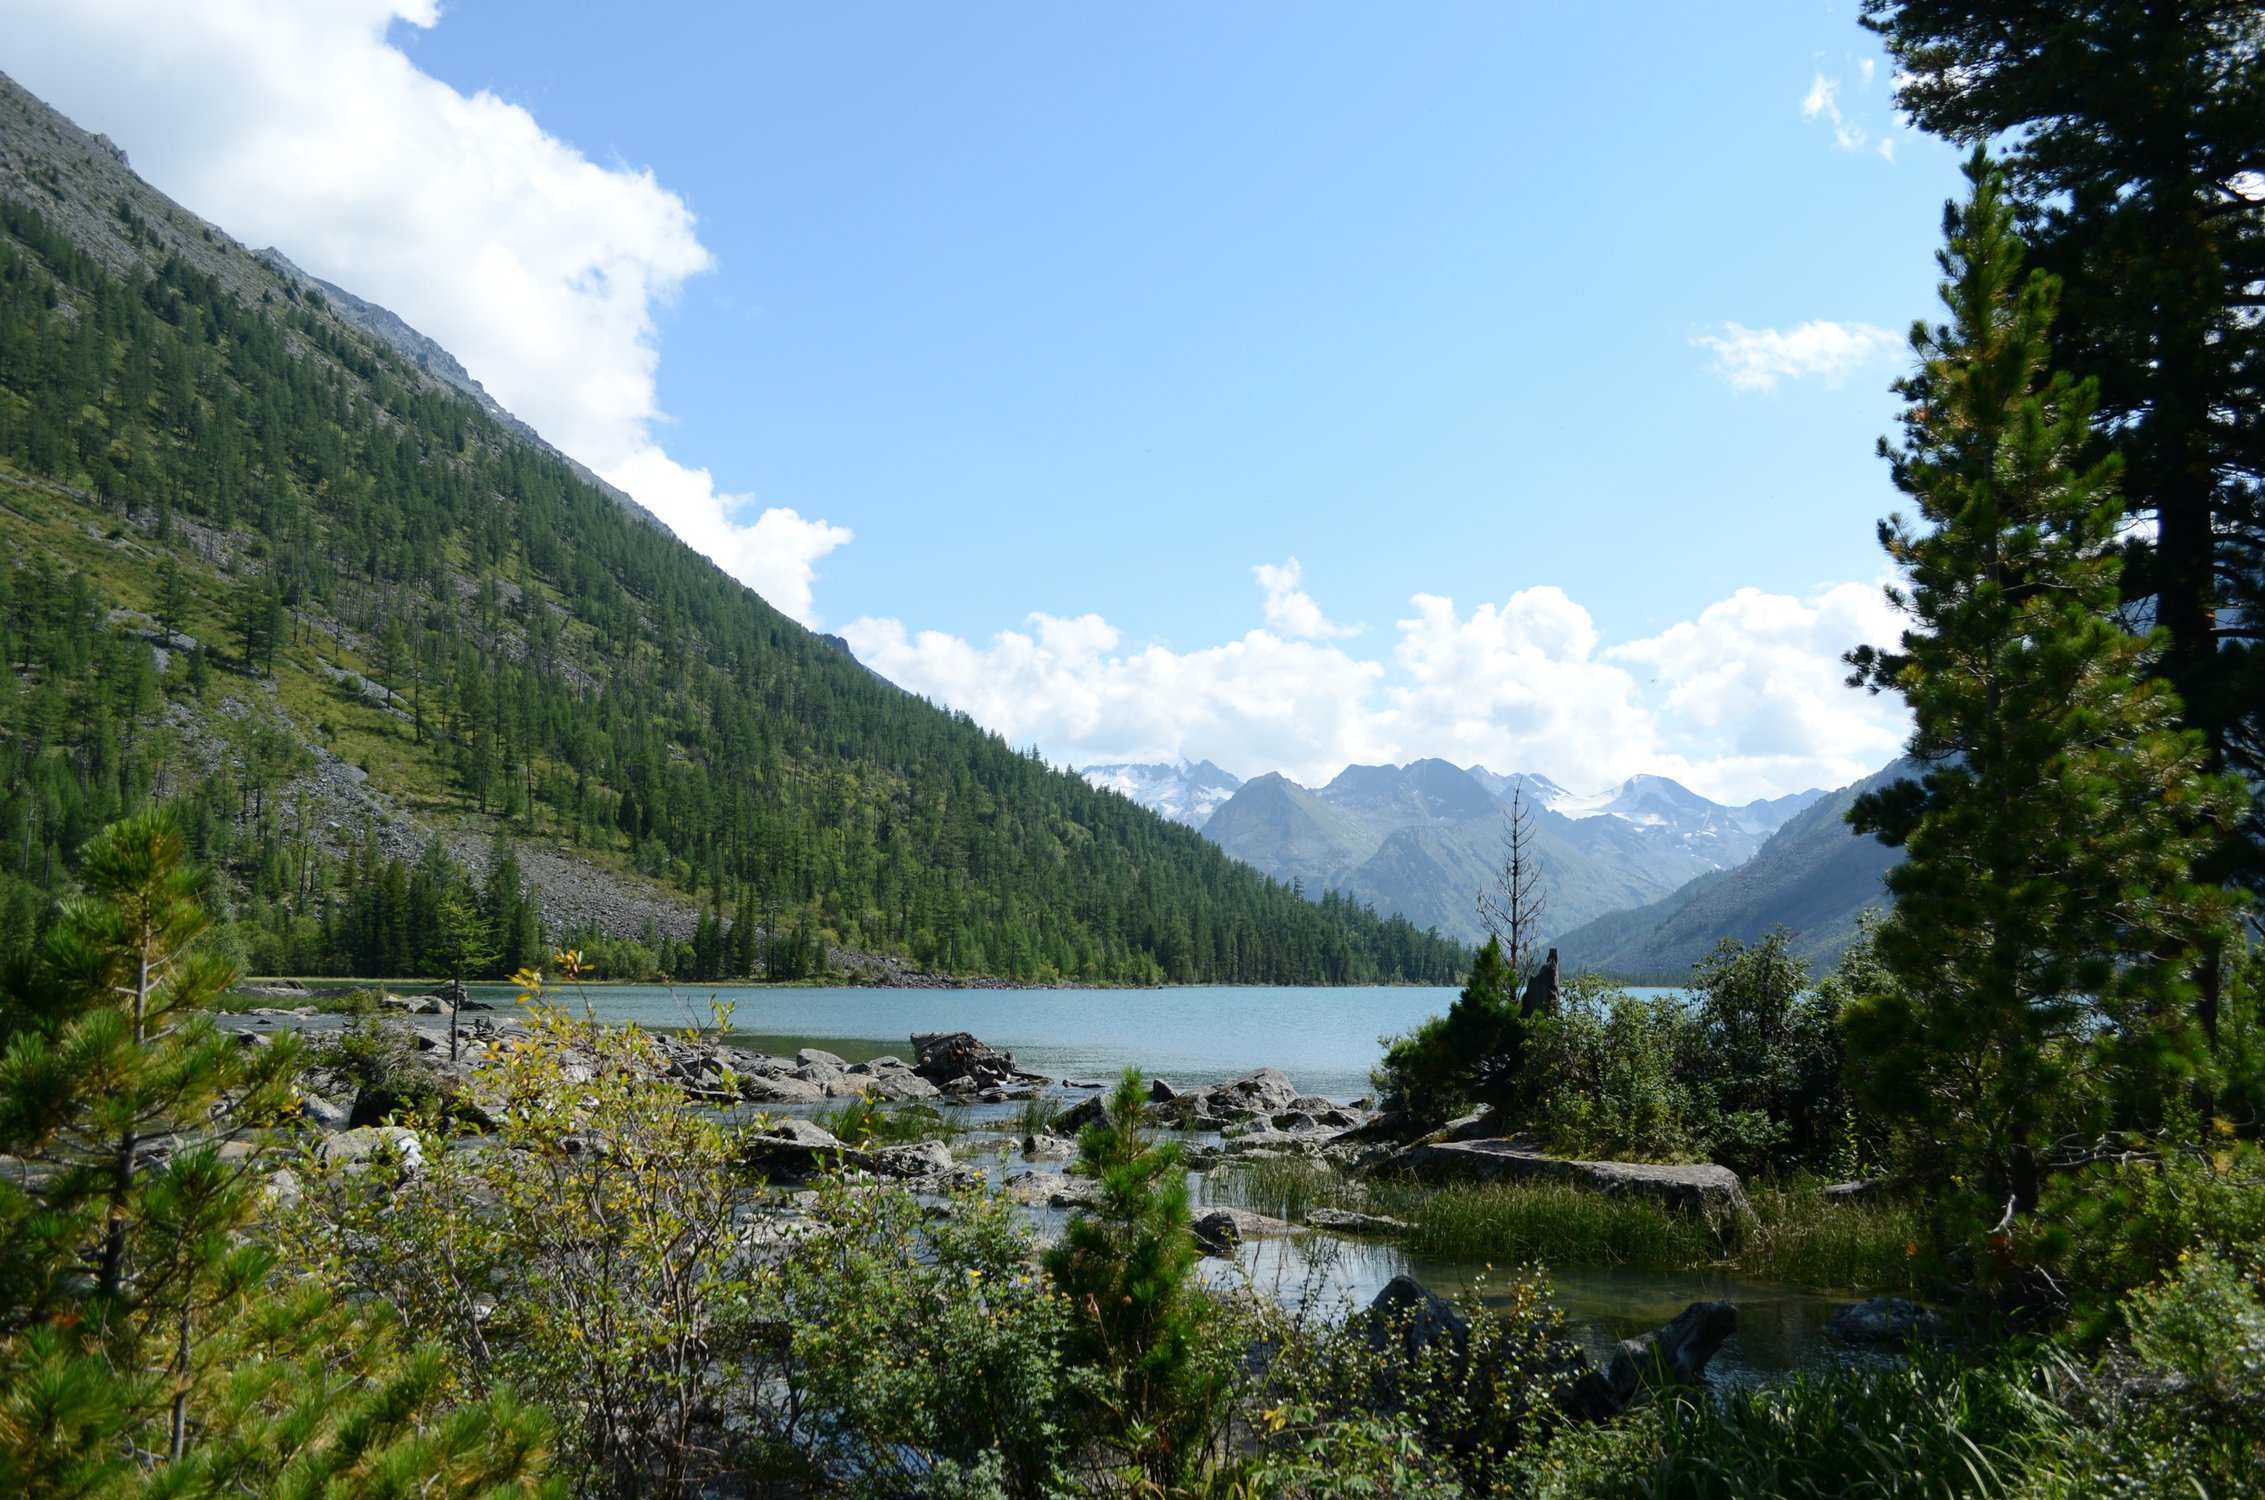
(259, 563)
(1815, 876)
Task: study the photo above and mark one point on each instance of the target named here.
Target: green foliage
(144, 1346)
(1470, 1056)
(866, 1121)
(1604, 1079)
(1138, 1322)
(590, 1259)
(2205, 1324)
(927, 1353)
(2048, 928)
(2128, 124)
(1366, 1406)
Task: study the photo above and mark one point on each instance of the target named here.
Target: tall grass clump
(1798, 1235)
(1554, 1223)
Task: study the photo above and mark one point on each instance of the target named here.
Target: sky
(1288, 385)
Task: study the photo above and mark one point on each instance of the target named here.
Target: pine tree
(2137, 131)
(2047, 926)
(142, 1342)
(1126, 1265)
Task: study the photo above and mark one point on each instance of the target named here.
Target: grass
(864, 1121)
(1796, 1237)
(1037, 1114)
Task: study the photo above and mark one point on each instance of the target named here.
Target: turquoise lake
(1325, 1039)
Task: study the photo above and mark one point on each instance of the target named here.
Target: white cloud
(1743, 701)
(299, 126)
(1823, 102)
(1756, 359)
(1290, 610)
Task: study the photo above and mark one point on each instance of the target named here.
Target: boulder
(810, 1055)
(323, 1113)
(944, 1057)
(1050, 1190)
(1704, 1187)
(793, 1148)
(765, 1088)
(1882, 1320)
(396, 1144)
(1415, 1320)
(1853, 1192)
(894, 1088)
(1160, 1092)
(1670, 1356)
(1047, 1148)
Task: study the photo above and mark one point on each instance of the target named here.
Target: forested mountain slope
(254, 561)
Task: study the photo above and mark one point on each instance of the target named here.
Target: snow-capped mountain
(1186, 792)
(1423, 839)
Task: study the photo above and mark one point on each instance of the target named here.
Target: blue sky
(1058, 322)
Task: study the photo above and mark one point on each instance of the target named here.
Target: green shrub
(2205, 1323)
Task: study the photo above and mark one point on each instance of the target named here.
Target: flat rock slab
(1704, 1187)
(1219, 1230)
(1346, 1221)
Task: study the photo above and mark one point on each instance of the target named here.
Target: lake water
(1325, 1039)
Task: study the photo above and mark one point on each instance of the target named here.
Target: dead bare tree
(1511, 911)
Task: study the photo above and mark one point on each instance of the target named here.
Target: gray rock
(1852, 1192)
(368, 1143)
(1704, 1187)
(1079, 1115)
(764, 1088)
(323, 1113)
(1160, 1092)
(1416, 1321)
(1347, 1221)
(793, 1148)
(1674, 1355)
(895, 1088)
(1050, 1190)
(944, 1057)
(1048, 1148)
(813, 1055)
(1882, 1320)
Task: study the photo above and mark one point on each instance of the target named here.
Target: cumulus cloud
(301, 126)
(1743, 701)
(1290, 610)
(1756, 359)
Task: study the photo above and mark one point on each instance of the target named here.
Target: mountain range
(1423, 840)
(1815, 876)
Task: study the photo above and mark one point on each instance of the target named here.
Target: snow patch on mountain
(1184, 791)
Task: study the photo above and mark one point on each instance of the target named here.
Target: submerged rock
(1882, 1320)
(1674, 1355)
(1347, 1221)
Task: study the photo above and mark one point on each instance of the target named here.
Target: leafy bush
(2205, 1323)
(1470, 1056)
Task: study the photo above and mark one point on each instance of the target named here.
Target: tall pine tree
(2048, 928)
(2136, 133)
